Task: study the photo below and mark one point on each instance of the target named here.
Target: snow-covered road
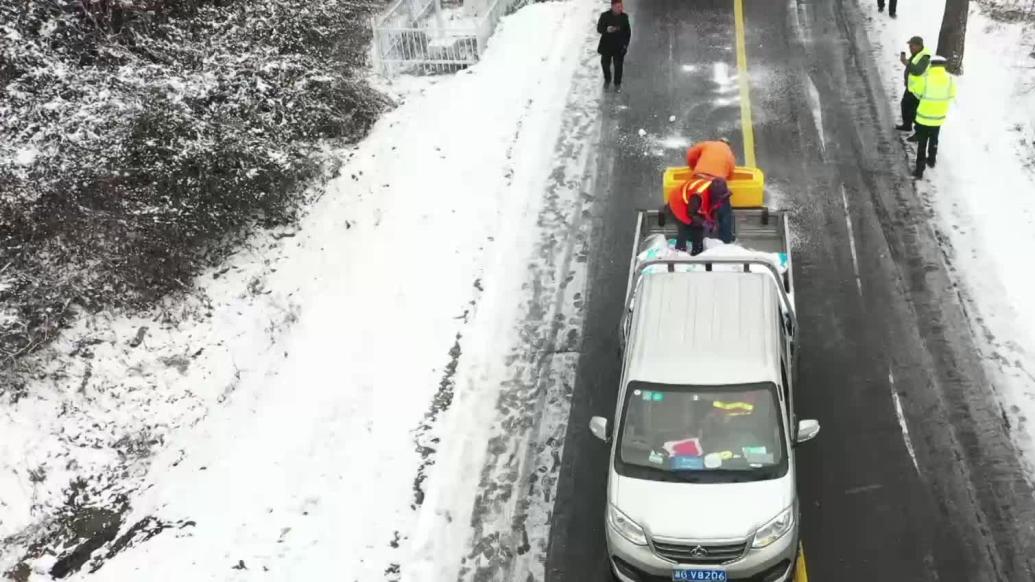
(357, 382)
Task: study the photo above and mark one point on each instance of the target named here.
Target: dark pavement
(878, 318)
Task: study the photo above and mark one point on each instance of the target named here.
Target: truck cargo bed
(758, 229)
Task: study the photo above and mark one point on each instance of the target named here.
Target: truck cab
(701, 478)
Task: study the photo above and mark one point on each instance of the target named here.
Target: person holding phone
(916, 66)
(615, 33)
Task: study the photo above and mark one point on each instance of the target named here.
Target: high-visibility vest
(912, 80)
(936, 91)
(703, 188)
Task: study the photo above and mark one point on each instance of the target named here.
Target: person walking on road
(936, 90)
(615, 34)
(916, 66)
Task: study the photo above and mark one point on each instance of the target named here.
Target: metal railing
(413, 37)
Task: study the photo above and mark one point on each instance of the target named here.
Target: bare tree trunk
(953, 34)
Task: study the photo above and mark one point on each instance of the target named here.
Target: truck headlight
(775, 529)
(625, 527)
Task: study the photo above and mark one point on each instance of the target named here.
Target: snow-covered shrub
(140, 138)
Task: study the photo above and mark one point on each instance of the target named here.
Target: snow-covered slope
(288, 422)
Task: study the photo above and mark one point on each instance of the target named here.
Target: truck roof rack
(708, 262)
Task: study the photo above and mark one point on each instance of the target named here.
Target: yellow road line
(801, 574)
(742, 77)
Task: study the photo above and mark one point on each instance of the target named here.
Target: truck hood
(701, 511)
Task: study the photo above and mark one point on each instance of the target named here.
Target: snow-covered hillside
(335, 389)
(140, 140)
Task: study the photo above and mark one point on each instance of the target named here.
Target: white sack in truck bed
(656, 247)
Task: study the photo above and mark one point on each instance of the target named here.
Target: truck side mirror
(807, 430)
(598, 426)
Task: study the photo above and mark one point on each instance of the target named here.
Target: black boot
(918, 173)
(904, 127)
(913, 138)
(930, 162)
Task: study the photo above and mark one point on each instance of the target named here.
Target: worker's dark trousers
(926, 146)
(724, 218)
(909, 105)
(892, 5)
(619, 63)
(695, 234)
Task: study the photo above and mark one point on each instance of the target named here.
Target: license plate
(694, 575)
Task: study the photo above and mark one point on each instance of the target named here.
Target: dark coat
(614, 43)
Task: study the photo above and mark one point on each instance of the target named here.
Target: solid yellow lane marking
(801, 574)
(742, 77)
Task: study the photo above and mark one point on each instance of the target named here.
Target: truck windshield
(701, 433)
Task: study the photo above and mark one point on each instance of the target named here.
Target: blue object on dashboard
(687, 463)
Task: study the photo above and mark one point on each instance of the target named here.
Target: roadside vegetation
(141, 140)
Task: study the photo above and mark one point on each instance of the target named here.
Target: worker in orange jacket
(712, 159)
(703, 202)
(694, 205)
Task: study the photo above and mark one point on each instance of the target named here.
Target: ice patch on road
(817, 115)
(721, 76)
(851, 240)
(663, 146)
(902, 422)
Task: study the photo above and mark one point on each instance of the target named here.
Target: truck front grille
(690, 553)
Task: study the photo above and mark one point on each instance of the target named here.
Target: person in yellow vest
(935, 90)
(916, 66)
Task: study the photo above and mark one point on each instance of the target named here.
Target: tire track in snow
(423, 437)
(427, 437)
(512, 512)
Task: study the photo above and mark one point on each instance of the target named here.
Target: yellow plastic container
(747, 185)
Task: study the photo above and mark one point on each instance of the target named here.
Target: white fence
(414, 36)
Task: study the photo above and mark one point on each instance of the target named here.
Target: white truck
(701, 479)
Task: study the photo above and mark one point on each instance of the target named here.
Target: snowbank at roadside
(271, 427)
(981, 192)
